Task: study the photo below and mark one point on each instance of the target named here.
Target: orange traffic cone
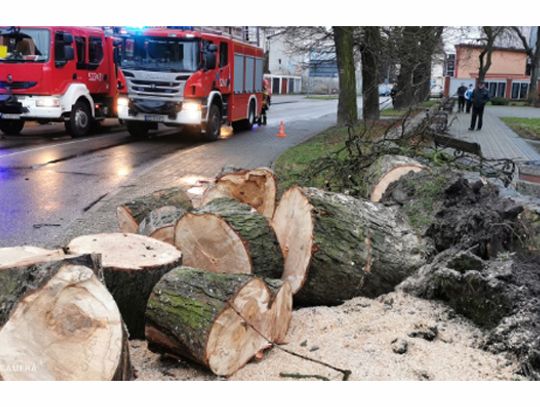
(281, 133)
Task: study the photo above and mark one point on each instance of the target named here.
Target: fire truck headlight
(191, 107)
(122, 102)
(48, 101)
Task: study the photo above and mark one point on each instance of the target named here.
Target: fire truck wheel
(213, 126)
(11, 127)
(246, 124)
(80, 120)
(137, 129)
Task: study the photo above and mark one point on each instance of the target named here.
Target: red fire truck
(189, 78)
(62, 74)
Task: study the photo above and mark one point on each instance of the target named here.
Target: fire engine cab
(62, 74)
(189, 78)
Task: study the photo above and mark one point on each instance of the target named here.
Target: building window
(450, 65)
(520, 90)
(496, 89)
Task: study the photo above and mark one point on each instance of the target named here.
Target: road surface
(48, 180)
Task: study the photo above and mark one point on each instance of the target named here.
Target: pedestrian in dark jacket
(480, 97)
(461, 97)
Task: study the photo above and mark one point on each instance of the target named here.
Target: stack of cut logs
(213, 284)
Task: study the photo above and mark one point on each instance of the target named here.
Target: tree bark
(159, 224)
(337, 247)
(535, 67)
(408, 60)
(347, 106)
(256, 187)
(132, 213)
(227, 236)
(132, 265)
(215, 320)
(369, 49)
(59, 322)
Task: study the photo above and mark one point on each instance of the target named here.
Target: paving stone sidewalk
(496, 139)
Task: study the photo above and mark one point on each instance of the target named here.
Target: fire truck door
(94, 69)
(224, 73)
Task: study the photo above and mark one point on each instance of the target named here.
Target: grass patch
(322, 97)
(292, 164)
(525, 127)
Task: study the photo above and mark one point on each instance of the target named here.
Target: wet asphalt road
(48, 179)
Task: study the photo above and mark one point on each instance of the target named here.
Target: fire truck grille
(156, 90)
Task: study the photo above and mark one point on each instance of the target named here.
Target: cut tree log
(217, 320)
(385, 170)
(132, 213)
(159, 224)
(226, 235)
(337, 247)
(59, 322)
(256, 188)
(280, 312)
(20, 254)
(132, 265)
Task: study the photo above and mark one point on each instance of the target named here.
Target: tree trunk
(215, 320)
(132, 213)
(132, 265)
(256, 188)
(370, 72)
(385, 170)
(408, 60)
(227, 236)
(535, 67)
(347, 106)
(159, 224)
(337, 247)
(59, 322)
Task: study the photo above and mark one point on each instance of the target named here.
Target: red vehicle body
(65, 74)
(190, 78)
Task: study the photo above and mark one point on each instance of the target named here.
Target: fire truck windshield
(24, 44)
(160, 54)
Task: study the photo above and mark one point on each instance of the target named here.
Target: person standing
(468, 99)
(461, 97)
(480, 97)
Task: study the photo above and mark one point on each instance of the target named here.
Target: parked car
(436, 91)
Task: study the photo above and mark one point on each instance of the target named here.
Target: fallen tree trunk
(132, 265)
(385, 170)
(226, 235)
(59, 322)
(159, 224)
(215, 320)
(131, 214)
(337, 247)
(256, 188)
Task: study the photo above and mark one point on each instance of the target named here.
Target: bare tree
(490, 35)
(533, 52)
